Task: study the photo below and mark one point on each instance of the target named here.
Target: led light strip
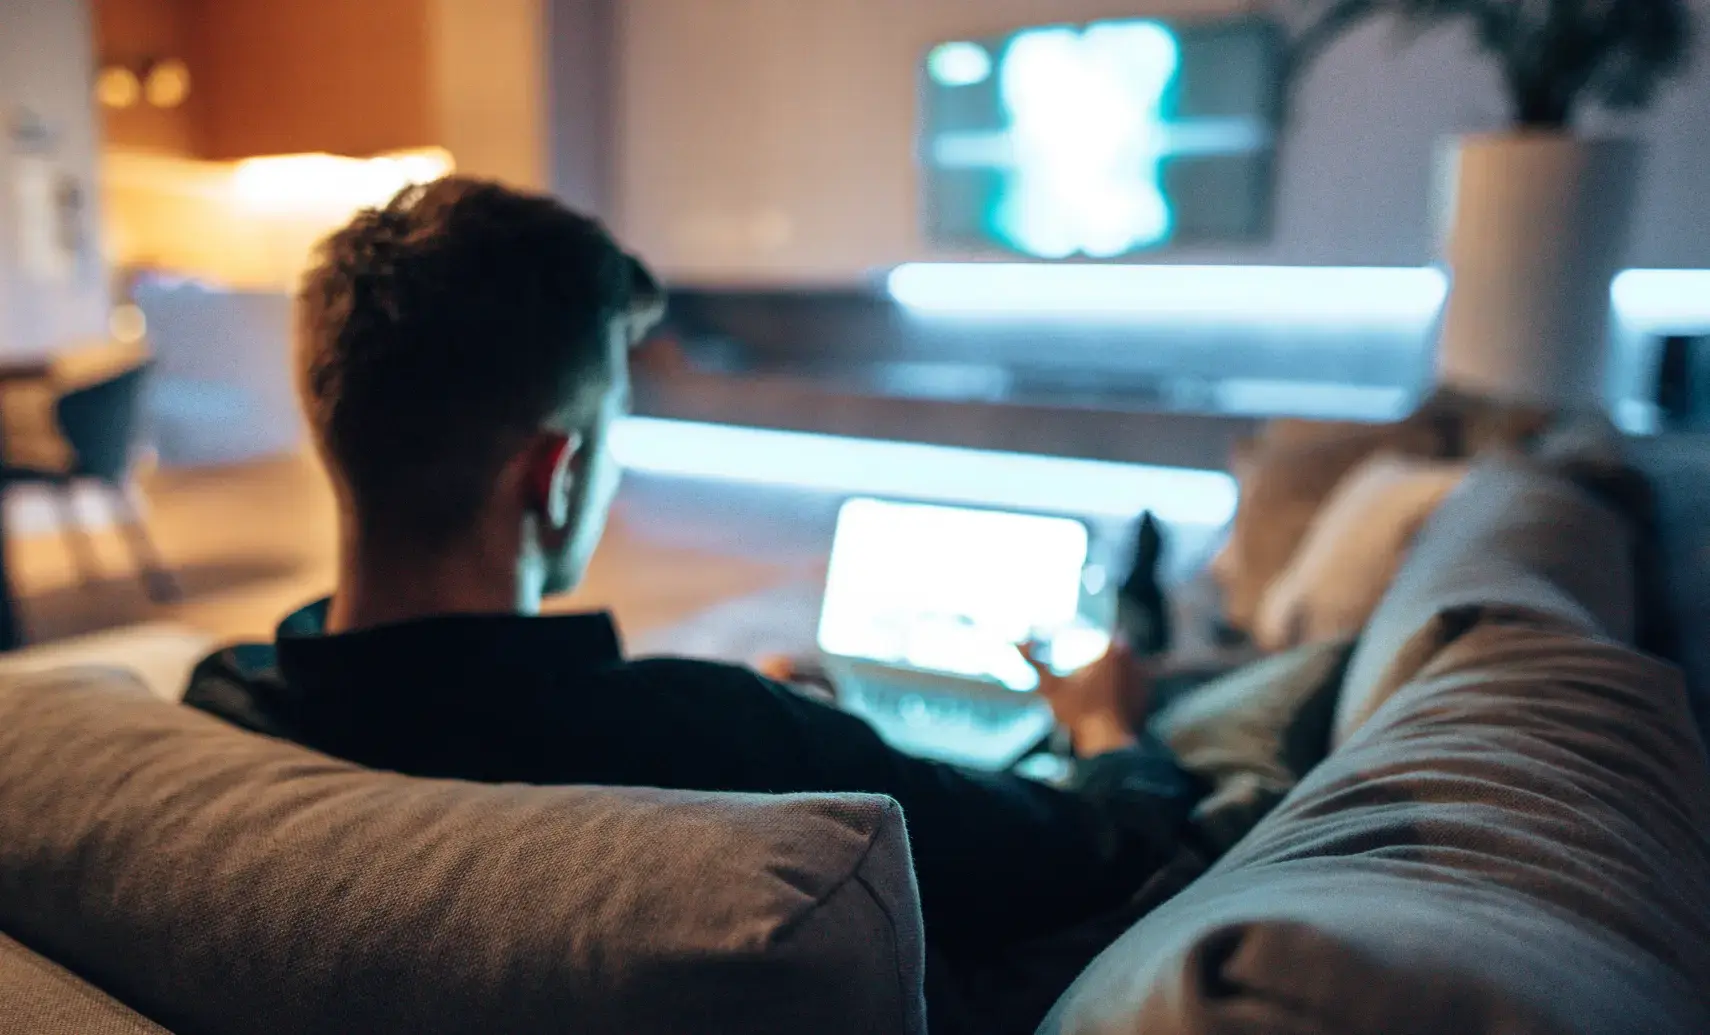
(1272, 295)
(1651, 300)
(1661, 301)
(912, 470)
(1275, 296)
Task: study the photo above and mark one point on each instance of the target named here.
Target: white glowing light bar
(315, 182)
(1644, 299)
(911, 470)
(1663, 300)
(1274, 295)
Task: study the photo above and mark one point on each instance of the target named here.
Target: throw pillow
(1252, 734)
(1287, 472)
(1284, 476)
(1352, 550)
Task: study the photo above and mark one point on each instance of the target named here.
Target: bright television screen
(1101, 140)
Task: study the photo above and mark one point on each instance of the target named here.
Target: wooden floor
(249, 543)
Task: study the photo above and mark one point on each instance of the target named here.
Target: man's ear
(554, 460)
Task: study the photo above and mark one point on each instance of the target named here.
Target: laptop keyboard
(981, 728)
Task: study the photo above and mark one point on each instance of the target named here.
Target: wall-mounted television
(1102, 140)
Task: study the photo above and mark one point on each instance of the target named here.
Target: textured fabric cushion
(1513, 845)
(1252, 734)
(1290, 469)
(1285, 476)
(40, 998)
(222, 882)
(1510, 538)
(1356, 543)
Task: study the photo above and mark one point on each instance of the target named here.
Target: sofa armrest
(43, 998)
(1515, 845)
(1514, 838)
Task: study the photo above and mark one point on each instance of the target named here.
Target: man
(462, 361)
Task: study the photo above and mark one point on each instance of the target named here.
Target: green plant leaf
(1552, 53)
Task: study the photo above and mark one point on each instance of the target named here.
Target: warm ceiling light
(168, 83)
(117, 87)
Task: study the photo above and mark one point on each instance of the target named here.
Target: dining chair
(99, 422)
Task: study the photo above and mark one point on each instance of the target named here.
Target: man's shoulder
(677, 688)
(241, 684)
(669, 667)
(667, 676)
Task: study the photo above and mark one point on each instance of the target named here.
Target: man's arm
(997, 855)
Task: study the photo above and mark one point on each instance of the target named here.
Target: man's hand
(805, 676)
(1100, 705)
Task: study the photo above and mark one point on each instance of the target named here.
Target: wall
(278, 77)
(772, 141)
(487, 63)
(581, 95)
(46, 67)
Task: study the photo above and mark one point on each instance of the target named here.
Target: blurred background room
(1049, 256)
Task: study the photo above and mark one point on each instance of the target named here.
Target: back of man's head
(438, 334)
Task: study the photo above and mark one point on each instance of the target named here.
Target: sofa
(1511, 835)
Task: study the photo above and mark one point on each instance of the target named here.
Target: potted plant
(1538, 213)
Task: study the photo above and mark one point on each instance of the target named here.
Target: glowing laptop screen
(948, 589)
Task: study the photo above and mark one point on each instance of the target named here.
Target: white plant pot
(1537, 230)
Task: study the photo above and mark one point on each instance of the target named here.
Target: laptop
(924, 605)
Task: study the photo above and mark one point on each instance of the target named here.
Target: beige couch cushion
(222, 882)
(39, 998)
(1349, 556)
(1293, 466)
(1285, 476)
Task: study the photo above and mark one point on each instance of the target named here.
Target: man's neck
(388, 586)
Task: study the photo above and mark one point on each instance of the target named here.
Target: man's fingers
(1029, 652)
(778, 668)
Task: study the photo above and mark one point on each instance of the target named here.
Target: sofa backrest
(217, 881)
(1514, 841)
(42, 998)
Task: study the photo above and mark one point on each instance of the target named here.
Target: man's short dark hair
(437, 333)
